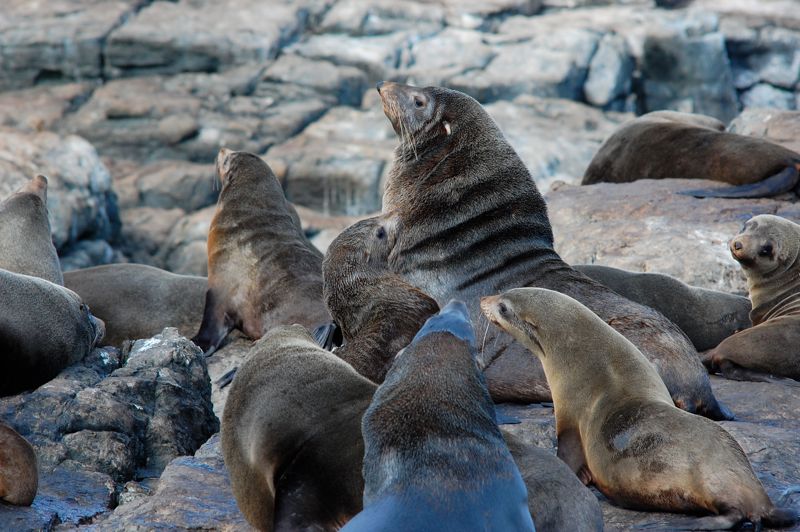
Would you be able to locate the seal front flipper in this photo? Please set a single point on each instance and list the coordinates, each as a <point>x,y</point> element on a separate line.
<point>570,451</point>
<point>215,326</point>
<point>712,522</point>
<point>328,336</point>
<point>783,181</point>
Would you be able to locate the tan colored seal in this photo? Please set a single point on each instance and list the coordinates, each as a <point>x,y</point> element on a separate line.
<point>138,301</point>
<point>262,270</point>
<point>25,243</point>
<point>19,471</point>
<point>768,249</point>
<point>617,426</point>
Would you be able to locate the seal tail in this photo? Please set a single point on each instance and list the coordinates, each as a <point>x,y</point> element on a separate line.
<point>783,181</point>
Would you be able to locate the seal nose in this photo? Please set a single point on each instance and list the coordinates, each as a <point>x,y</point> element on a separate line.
<point>380,85</point>
<point>737,249</point>
<point>737,245</point>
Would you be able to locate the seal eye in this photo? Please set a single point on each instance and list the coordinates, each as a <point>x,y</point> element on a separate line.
<point>765,251</point>
<point>418,102</point>
<point>381,234</point>
<point>502,308</point>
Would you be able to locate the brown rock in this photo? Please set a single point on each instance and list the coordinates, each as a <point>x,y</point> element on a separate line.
<point>781,127</point>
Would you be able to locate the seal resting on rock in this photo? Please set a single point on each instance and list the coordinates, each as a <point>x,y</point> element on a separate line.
<point>472,223</point>
<point>616,425</point>
<point>19,472</point>
<point>434,456</point>
<point>706,316</point>
<point>25,243</point>
<point>262,270</point>
<point>768,249</point>
<point>668,144</point>
<point>137,301</point>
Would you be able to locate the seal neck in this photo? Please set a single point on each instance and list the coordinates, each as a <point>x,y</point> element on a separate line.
<point>776,295</point>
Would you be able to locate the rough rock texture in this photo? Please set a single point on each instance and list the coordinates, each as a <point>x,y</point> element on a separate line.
<point>229,357</point>
<point>782,127</point>
<point>185,249</point>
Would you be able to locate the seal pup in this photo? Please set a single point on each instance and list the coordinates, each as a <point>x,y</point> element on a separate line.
<point>706,316</point>
<point>472,223</point>
<point>377,310</point>
<point>616,425</point>
<point>19,471</point>
<point>667,144</point>
<point>44,328</point>
<point>768,249</point>
<point>137,301</point>
<point>262,270</point>
<point>26,245</point>
<point>434,456</point>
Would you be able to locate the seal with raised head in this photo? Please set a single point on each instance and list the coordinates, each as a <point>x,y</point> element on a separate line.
<point>26,245</point>
<point>19,471</point>
<point>138,301</point>
<point>472,223</point>
<point>706,316</point>
<point>768,249</point>
<point>434,456</point>
<point>616,425</point>
<point>262,270</point>
<point>373,306</point>
<point>44,328</point>
<point>667,144</point>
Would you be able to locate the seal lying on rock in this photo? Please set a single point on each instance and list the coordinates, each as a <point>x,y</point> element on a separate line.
<point>667,144</point>
<point>434,456</point>
<point>616,425</point>
<point>768,248</point>
<point>19,472</point>
<point>472,223</point>
<point>706,316</point>
<point>137,301</point>
<point>262,270</point>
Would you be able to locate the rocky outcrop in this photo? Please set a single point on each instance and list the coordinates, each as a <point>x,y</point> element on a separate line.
<point>782,127</point>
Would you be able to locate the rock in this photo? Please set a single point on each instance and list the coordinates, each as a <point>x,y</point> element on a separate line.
<point>782,127</point>
<point>646,226</point>
<point>145,232</point>
<point>185,249</point>
<point>610,71</point>
<point>87,253</point>
<point>346,84</point>
<point>434,60</point>
<point>173,184</point>
<point>80,199</point>
<point>40,108</point>
<point>379,17</point>
<point>763,95</point>
<point>227,358</point>
<point>475,14</point>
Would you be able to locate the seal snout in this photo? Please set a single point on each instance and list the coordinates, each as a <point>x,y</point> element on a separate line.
<point>223,162</point>
<point>490,306</point>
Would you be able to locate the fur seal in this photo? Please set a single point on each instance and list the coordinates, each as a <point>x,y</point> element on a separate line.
<point>667,144</point>
<point>372,305</point>
<point>26,245</point>
<point>262,270</point>
<point>44,328</point>
<point>19,470</point>
<point>472,223</point>
<point>768,249</point>
<point>616,425</point>
<point>434,456</point>
<point>291,436</point>
<point>137,301</point>
<point>706,316</point>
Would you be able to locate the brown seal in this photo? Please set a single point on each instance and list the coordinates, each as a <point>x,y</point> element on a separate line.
<point>374,307</point>
<point>706,316</point>
<point>472,223</point>
<point>138,301</point>
<point>19,471</point>
<point>26,245</point>
<point>262,270</point>
<point>768,249</point>
<point>616,425</point>
<point>666,144</point>
<point>44,328</point>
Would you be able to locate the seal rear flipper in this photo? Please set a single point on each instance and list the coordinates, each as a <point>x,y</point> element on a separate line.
<point>570,451</point>
<point>504,419</point>
<point>227,378</point>
<point>712,522</point>
<point>783,181</point>
<point>215,326</point>
<point>735,372</point>
<point>328,336</point>
<point>782,518</point>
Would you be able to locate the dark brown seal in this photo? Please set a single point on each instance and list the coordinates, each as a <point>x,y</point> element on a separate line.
<point>472,223</point>
<point>768,249</point>
<point>377,310</point>
<point>25,243</point>
<point>616,425</point>
<point>262,270</point>
<point>667,144</point>
<point>44,328</point>
<point>19,472</point>
<point>138,301</point>
<point>706,316</point>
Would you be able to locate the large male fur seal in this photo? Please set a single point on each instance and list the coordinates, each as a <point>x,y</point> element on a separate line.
<point>25,243</point>
<point>378,311</point>
<point>472,223</point>
<point>138,301</point>
<point>19,472</point>
<point>44,328</point>
<point>434,456</point>
<point>768,249</point>
<point>262,270</point>
<point>617,426</point>
<point>706,316</point>
<point>667,144</point>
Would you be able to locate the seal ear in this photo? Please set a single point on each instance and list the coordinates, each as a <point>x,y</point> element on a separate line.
<point>447,129</point>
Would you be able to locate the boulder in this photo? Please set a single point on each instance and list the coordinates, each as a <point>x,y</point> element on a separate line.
<point>765,95</point>
<point>345,83</point>
<point>185,250</point>
<point>436,59</point>
<point>230,356</point>
<point>171,184</point>
<point>87,253</point>
<point>41,108</point>
<point>378,17</point>
<point>145,232</point>
<point>781,127</point>
<point>610,71</point>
